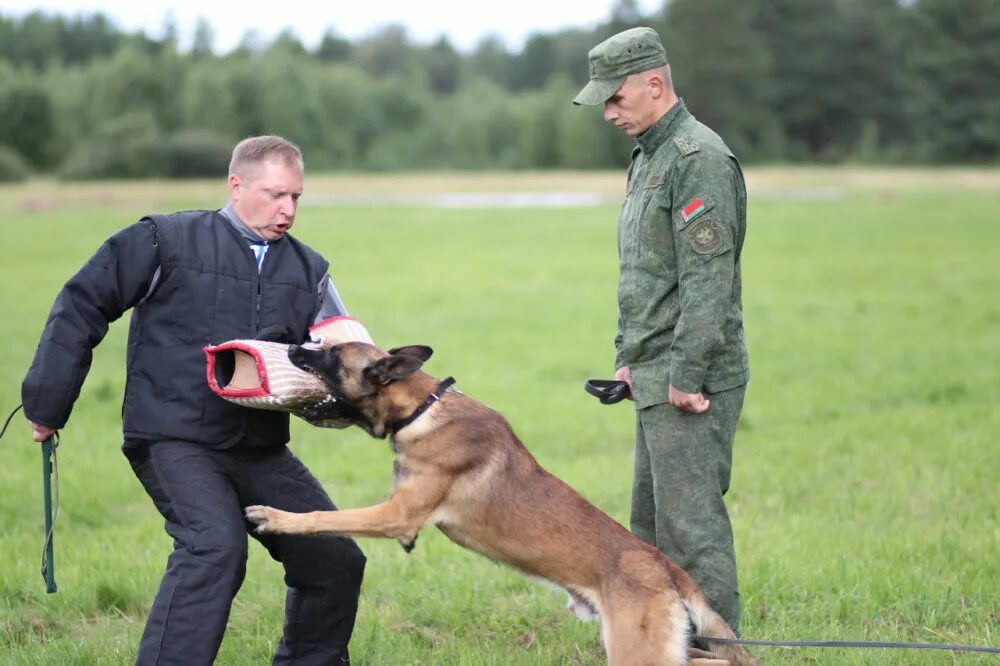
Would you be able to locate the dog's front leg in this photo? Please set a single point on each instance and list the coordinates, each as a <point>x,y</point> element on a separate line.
<point>381,520</point>
<point>400,517</point>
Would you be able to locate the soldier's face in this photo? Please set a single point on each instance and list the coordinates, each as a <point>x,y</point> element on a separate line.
<point>266,197</point>
<point>631,108</point>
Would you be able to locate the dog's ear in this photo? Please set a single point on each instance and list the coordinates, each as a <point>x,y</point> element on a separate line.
<point>392,368</point>
<point>423,352</point>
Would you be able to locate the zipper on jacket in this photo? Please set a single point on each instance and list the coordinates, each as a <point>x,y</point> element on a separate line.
<point>255,315</point>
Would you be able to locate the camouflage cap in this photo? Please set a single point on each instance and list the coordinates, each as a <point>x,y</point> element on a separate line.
<point>611,61</point>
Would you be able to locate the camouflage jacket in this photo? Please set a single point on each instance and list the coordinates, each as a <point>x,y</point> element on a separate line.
<point>680,234</point>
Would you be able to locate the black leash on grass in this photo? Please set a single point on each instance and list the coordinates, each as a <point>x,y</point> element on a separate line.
<point>853,644</point>
<point>50,472</point>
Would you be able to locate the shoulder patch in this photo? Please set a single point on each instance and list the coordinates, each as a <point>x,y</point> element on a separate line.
<point>686,145</point>
<point>705,236</point>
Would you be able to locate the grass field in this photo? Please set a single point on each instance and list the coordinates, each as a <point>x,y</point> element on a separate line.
<point>866,489</point>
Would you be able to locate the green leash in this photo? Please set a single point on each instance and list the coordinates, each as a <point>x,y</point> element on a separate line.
<point>50,469</point>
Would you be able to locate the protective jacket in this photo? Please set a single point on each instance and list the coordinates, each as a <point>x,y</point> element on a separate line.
<point>191,281</point>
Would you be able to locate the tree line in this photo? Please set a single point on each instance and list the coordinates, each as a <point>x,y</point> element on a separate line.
<point>885,81</point>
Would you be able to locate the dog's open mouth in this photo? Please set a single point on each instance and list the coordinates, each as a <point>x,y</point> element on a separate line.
<point>298,356</point>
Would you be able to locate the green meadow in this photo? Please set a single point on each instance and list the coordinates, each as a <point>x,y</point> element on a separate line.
<point>866,487</point>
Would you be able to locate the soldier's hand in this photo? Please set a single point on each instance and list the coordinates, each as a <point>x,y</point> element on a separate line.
<point>41,432</point>
<point>689,402</point>
<point>624,375</point>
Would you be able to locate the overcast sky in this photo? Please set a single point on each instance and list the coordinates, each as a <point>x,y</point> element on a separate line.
<point>464,22</point>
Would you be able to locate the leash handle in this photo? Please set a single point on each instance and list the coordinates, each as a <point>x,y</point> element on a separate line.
<point>608,391</point>
<point>48,562</point>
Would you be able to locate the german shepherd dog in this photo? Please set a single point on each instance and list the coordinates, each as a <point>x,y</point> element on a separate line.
<point>459,466</point>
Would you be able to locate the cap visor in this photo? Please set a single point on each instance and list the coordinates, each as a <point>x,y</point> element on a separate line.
<point>597,91</point>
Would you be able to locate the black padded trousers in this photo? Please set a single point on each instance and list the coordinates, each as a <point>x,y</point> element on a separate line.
<point>201,493</point>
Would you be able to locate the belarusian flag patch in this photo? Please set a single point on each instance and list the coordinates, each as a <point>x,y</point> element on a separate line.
<point>693,209</point>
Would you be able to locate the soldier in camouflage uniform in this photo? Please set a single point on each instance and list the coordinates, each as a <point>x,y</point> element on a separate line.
<point>680,339</point>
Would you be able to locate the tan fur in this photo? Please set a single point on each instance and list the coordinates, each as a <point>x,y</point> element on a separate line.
<point>460,467</point>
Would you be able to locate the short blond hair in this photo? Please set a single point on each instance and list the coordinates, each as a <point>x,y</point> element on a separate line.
<point>663,72</point>
<point>257,149</point>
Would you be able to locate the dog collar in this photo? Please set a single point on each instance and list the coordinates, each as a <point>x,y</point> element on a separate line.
<point>445,384</point>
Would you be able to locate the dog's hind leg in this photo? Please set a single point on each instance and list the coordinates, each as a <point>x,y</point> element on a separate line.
<point>646,632</point>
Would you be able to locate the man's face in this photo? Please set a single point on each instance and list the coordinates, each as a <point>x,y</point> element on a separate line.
<point>631,108</point>
<point>266,197</point>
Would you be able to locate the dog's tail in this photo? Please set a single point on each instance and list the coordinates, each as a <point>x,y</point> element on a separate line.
<point>710,624</point>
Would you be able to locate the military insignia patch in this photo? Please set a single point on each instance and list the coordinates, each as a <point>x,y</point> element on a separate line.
<point>705,236</point>
<point>686,145</point>
<point>693,210</point>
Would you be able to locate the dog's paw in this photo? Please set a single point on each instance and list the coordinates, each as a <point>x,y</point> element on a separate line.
<point>268,520</point>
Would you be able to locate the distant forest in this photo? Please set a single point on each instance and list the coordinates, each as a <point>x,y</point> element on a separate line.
<point>783,81</point>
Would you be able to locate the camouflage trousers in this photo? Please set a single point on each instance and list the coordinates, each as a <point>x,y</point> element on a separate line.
<point>682,469</point>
